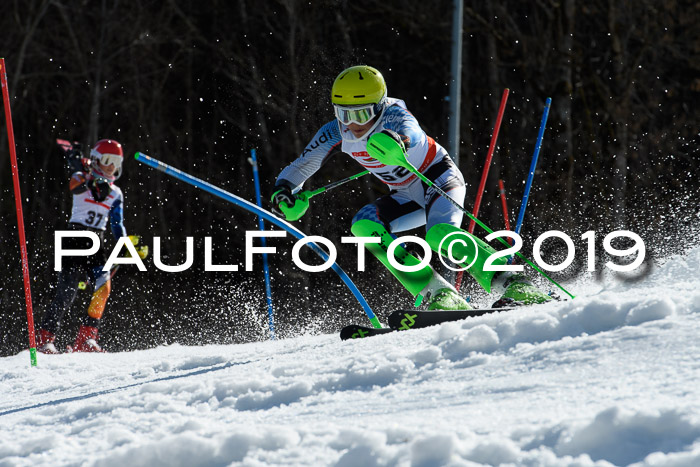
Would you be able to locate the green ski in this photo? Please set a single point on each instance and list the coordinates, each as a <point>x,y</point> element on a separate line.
<point>402,320</point>
<point>355,331</point>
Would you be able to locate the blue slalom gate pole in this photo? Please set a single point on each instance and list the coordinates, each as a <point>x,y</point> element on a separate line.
<point>261,223</point>
<point>267,215</point>
<point>533,164</point>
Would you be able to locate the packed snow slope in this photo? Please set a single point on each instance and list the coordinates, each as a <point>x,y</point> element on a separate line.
<point>608,378</point>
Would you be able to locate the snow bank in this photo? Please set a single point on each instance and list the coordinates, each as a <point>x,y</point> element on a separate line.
<point>670,290</point>
<point>623,438</point>
<point>194,446</point>
<point>609,378</point>
<point>551,322</point>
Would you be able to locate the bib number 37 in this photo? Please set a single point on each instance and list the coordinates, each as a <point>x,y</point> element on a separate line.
<point>94,218</point>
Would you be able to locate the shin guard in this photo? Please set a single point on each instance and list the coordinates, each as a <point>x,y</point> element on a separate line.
<point>477,251</point>
<point>99,300</point>
<point>414,281</point>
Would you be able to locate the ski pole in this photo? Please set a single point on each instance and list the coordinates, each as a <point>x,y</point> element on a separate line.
<point>20,216</point>
<point>261,224</point>
<point>485,173</point>
<point>385,149</point>
<point>310,194</point>
<point>306,195</point>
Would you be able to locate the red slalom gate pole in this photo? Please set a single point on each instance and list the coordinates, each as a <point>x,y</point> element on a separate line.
<point>489,156</point>
<point>502,191</point>
<point>485,172</point>
<point>504,204</point>
<point>20,217</point>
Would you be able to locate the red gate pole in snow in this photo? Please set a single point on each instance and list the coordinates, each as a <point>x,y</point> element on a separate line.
<point>20,218</point>
<point>484,174</point>
<point>504,204</point>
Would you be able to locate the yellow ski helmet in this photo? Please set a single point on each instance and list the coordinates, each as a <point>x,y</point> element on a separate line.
<point>359,85</point>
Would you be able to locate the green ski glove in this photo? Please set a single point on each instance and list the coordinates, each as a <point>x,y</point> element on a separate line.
<point>292,207</point>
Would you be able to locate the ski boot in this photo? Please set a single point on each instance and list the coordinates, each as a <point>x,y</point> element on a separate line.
<point>46,342</point>
<point>447,299</point>
<point>86,340</point>
<point>440,295</point>
<point>517,291</point>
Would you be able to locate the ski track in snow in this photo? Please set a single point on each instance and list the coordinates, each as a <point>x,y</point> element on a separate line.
<point>609,378</point>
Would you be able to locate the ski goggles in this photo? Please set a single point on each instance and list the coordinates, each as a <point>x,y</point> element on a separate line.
<point>359,114</point>
<point>111,159</point>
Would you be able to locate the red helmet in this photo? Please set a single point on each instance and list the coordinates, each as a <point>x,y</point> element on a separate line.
<point>108,151</point>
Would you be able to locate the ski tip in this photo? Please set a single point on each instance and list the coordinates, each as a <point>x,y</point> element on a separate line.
<point>355,331</point>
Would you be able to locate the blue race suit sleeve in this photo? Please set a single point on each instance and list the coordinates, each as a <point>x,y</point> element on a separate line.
<point>404,123</point>
<point>116,219</point>
<point>324,144</point>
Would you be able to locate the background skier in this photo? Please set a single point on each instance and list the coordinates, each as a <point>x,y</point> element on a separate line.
<point>96,202</point>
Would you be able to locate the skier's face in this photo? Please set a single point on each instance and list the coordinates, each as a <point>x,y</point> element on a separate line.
<point>359,130</point>
<point>107,169</point>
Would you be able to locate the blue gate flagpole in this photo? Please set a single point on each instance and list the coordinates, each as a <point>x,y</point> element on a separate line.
<point>533,164</point>
<point>531,175</point>
<point>261,223</point>
<point>267,215</point>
